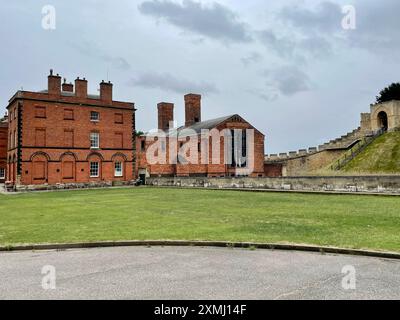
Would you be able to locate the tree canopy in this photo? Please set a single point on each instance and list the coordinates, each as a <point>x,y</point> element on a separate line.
<point>391,92</point>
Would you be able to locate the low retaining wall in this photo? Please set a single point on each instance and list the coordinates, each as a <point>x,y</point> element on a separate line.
<point>370,184</point>
<point>62,186</point>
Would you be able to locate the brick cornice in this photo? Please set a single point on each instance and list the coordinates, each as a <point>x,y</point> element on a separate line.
<point>14,99</point>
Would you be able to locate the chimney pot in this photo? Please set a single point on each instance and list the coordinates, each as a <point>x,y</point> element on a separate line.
<point>67,87</point>
<point>54,84</point>
<point>165,115</point>
<point>192,109</point>
<point>106,92</point>
<point>81,88</point>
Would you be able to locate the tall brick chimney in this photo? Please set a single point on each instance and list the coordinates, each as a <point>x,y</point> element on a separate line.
<point>106,91</point>
<point>165,115</point>
<point>81,86</point>
<point>67,87</point>
<point>192,109</point>
<point>54,84</point>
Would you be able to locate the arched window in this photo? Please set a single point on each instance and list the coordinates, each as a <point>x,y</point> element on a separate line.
<point>95,165</point>
<point>39,167</point>
<point>119,160</point>
<point>68,167</point>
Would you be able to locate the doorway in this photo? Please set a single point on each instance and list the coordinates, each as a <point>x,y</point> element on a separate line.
<point>383,120</point>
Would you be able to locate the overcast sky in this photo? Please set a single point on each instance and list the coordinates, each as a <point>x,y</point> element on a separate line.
<point>288,67</point>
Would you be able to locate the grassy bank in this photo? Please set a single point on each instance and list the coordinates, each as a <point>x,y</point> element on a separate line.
<point>381,157</point>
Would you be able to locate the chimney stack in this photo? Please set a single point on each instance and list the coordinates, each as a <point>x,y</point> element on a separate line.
<point>54,84</point>
<point>67,87</point>
<point>81,86</point>
<point>165,115</point>
<point>106,91</point>
<point>192,109</point>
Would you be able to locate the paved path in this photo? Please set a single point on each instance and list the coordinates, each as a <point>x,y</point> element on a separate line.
<point>194,273</point>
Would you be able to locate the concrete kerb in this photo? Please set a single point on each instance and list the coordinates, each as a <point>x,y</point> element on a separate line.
<point>220,244</point>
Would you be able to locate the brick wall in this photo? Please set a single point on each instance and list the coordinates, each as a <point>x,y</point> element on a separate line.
<point>199,169</point>
<point>273,169</point>
<point>3,148</point>
<point>54,137</point>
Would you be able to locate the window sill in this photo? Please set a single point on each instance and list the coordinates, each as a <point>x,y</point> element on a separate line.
<point>94,120</point>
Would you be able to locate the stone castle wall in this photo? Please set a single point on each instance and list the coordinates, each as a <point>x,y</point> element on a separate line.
<point>362,184</point>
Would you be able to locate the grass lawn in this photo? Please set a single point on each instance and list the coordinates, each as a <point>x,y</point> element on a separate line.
<point>154,214</point>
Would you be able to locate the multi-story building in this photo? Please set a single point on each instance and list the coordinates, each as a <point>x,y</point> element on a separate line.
<point>63,135</point>
<point>3,148</point>
<point>200,148</point>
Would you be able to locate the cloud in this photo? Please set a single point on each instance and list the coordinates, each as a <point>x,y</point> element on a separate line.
<point>166,81</point>
<point>287,80</point>
<point>214,21</point>
<point>253,57</point>
<point>377,27</point>
<point>324,17</point>
<point>270,96</point>
<point>376,30</point>
<point>283,46</point>
<point>92,50</point>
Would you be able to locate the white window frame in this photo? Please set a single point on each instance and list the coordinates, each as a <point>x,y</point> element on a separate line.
<point>94,119</point>
<point>94,140</point>
<point>2,173</point>
<point>98,169</point>
<point>119,173</point>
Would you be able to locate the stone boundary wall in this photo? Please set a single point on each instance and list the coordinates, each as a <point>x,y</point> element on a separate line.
<point>367,184</point>
<point>71,186</point>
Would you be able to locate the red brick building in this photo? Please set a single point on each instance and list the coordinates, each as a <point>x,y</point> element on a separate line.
<point>63,135</point>
<point>3,148</point>
<point>180,138</point>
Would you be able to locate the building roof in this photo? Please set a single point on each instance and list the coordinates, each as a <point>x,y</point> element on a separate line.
<point>203,125</point>
<point>70,98</point>
<point>199,126</point>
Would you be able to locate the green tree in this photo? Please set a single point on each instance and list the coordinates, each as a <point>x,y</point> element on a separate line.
<point>391,92</point>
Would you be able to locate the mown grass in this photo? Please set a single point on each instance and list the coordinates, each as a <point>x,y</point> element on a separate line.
<point>154,214</point>
<point>381,157</point>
